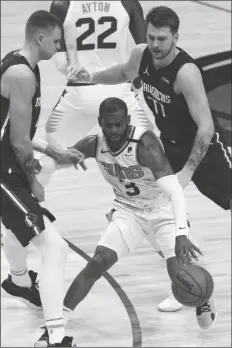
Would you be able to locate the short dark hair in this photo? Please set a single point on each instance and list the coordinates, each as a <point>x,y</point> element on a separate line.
<point>111,105</point>
<point>41,20</point>
<point>163,16</point>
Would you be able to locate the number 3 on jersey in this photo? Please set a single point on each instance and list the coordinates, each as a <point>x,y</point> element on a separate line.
<point>112,23</point>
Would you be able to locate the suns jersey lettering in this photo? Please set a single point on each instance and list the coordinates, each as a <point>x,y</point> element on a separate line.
<point>102,32</point>
<point>132,183</point>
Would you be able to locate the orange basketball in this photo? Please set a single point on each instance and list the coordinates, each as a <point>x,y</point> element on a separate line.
<point>192,286</point>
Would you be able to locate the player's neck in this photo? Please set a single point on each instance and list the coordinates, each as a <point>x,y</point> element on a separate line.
<point>30,54</point>
<point>162,63</point>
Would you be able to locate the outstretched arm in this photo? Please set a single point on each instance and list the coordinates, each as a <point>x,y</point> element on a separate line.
<point>116,74</point>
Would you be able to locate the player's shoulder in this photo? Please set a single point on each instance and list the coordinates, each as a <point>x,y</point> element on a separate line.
<point>148,138</point>
<point>188,73</point>
<point>19,79</point>
<point>138,50</point>
<point>20,72</point>
<point>137,54</point>
<point>132,6</point>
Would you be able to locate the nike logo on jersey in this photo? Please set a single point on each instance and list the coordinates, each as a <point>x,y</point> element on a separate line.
<point>146,71</point>
<point>104,151</point>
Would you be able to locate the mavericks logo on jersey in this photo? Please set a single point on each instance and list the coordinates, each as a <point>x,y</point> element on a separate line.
<point>132,172</point>
<point>156,93</point>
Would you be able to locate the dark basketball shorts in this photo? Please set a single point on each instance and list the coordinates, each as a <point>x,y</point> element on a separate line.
<point>213,176</point>
<point>20,210</point>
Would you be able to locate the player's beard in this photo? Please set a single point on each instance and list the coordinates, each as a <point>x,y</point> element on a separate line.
<point>116,145</point>
<point>164,55</point>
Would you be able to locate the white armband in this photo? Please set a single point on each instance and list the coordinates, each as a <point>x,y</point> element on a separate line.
<point>173,189</point>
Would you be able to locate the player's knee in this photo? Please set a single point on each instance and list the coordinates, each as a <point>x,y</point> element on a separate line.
<point>96,266</point>
<point>103,259</point>
<point>50,244</point>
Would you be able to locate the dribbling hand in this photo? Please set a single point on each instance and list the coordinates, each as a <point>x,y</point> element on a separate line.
<point>185,250</point>
<point>81,75</point>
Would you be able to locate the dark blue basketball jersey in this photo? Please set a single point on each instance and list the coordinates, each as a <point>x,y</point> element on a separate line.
<point>170,110</point>
<point>8,158</point>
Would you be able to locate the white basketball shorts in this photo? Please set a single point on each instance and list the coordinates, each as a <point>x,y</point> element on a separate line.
<point>130,226</point>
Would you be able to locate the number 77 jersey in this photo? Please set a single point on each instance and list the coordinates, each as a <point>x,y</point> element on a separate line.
<point>133,184</point>
<point>102,33</point>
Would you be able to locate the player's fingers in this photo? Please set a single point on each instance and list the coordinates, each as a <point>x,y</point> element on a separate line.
<point>193,254</point>
<point>197,249</point>
<point>83,165</point>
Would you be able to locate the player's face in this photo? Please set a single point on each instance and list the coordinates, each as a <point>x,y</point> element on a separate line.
<point>50,42</point>
<point>115,126</point>
<point>160,41</point>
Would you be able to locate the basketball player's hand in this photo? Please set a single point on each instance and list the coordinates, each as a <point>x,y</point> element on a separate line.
<point>136,83</point>
<point>72,156</point>
<point>38,190</point>
<point>82,75</point>
<point>72,71</point>
<point>184,176</point>
<point>33,166</point>
<point>185,250</point>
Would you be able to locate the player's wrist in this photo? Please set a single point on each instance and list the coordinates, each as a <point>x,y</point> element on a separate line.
<point>182,231</point>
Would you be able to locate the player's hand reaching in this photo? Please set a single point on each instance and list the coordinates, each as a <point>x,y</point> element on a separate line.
<point>72,156</point>
<point>82,76</point>
<point>185,250</point>
<point>33,166</point>
<point>72,70</point>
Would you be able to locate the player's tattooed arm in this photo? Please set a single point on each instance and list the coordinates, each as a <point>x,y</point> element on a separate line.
<point>87,145</point>
<point>190,84</point>
<point>199,149</point>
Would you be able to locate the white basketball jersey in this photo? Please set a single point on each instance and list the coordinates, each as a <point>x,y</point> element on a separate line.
<point>133,184</point>
<point>102,31</point>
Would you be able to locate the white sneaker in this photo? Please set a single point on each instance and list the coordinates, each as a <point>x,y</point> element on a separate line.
<point>206,314</point>
<point>170,304</point>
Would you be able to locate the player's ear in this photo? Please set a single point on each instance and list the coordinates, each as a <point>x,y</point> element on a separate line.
<point>176,37</point>
<point>128,119</point>
<point>99,121</point>
<point>39,39</point>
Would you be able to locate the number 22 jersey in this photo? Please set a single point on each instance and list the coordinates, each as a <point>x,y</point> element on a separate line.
<point>133,184</point>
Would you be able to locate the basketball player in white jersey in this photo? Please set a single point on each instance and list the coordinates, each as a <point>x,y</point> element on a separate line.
<point>97,35</point>
<point>149,201</point>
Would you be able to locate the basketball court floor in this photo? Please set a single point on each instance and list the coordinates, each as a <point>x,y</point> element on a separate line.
<point>121,310</point>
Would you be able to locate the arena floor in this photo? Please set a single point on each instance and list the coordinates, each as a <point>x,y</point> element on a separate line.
<point>121,310</point>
